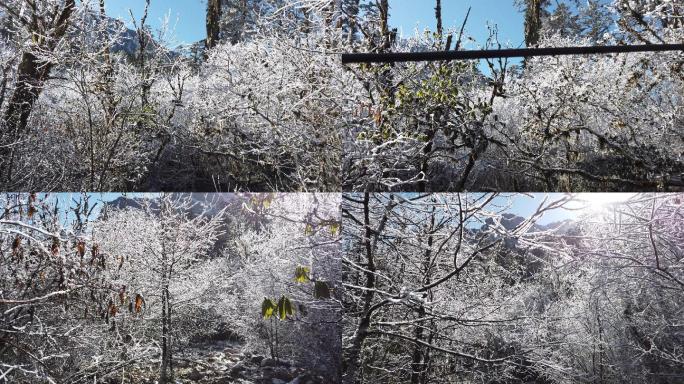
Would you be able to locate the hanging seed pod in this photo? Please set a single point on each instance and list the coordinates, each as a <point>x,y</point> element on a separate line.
<point>94,252</point>
<point>80,248</point>
<point>55,246</point>
<point>139,302</point>
<point>111,308</point>
<point>122,294</point>
<point>16,244</point>
<point>31,210</point>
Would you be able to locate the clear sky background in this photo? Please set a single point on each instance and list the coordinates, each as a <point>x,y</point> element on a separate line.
<point>96,200</point>
<point>523,205</point>
<point>187,17</point>
<point>409,15</point>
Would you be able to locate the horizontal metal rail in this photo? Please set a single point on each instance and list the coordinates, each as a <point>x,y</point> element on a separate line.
<point>392,57</point>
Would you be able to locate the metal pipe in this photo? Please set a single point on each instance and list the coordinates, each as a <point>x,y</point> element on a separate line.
<point>392,57</point>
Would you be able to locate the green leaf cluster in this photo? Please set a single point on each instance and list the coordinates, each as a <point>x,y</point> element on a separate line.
<point>282,309</point>
<point>439,89</point>
<point>302,274</point>
<point>285,308</point>
<point>267,308</point>
<point>309,229</point>
<point>334,228</point>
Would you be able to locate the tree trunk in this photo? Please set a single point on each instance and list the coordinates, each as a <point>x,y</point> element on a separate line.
<point>30,80</point>
<point>354,353</point>
<point>244,13</point>
<point>532,22</point>
<point>438,16</point>
<point>385,79</point>
<point>32,72</point>
<point>271,340</point>
<point>419,358</point>
<point>427,153</point>
<point>427,362</point>
<point>145,73</point>
<point>213,23</point>
<point>601,353</point>
<point>385,36</point>
<point>31,76</point>
<point>166,374</point>
<point>170,336</point>
<point>353,369</point>
<point>163,377</point>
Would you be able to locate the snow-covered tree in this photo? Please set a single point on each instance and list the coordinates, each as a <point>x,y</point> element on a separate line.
<point>166,240</point>
<point>295,255</point>
<point>574,123</point>
<point>141,287</point>
<point>454,288</point>
<point>117,109</point>
<point>54,288</point>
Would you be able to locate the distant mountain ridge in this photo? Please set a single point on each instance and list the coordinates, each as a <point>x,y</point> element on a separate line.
<point>213,202</point>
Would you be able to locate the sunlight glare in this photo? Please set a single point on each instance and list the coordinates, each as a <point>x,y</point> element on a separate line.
<point>600,202</point>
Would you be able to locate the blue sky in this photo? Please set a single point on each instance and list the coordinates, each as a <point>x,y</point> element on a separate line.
<point>407,15</point>
<point>522,204</point>
<point>187,16</point>
<point>97,199</point>
<point>585,206</point>
<point>526,205</point>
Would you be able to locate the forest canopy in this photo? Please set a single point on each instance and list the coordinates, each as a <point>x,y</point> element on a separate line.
<point>573,123</point>
<point>264,104</point>
<point>403,288</point>
<point>160,288</point>
<point>470,288</point>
